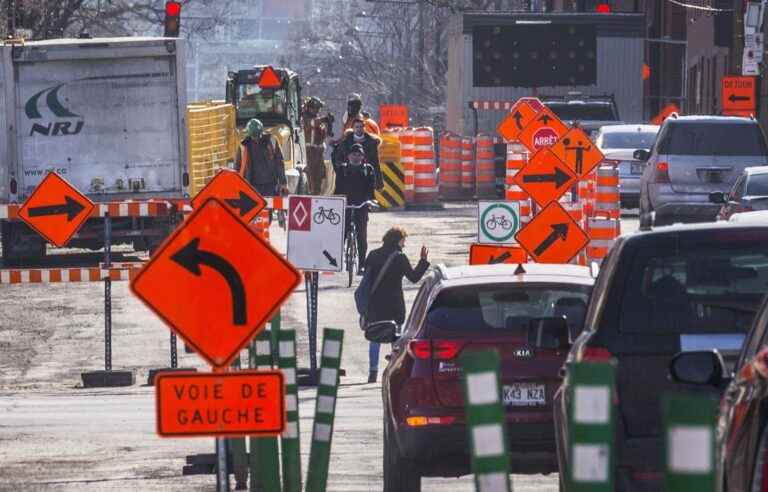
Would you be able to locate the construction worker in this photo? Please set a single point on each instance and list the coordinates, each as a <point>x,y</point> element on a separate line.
<point>355,111</point>
<point>316,129</point>
<point>370,144</point>
<point>260,161</point>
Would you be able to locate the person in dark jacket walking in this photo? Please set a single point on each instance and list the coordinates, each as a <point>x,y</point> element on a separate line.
<point>260,161</point>
<point>388,302</point>
<point>355,180</point>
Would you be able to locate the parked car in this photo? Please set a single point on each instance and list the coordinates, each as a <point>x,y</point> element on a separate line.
<point>465,309</point>
<point>590,111</point>
<point>749,193</point>
<point>618,144</point>
<point>741,438</point>
<point>692,157</point>
<point>742,217</point>
<point>678,288</point>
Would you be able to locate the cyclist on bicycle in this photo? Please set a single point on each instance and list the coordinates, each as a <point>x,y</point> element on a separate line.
<point>356,179</point>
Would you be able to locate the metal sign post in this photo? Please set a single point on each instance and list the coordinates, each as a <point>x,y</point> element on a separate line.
<point>222,473</point>
<point>311,282</point>
<point>689,423</point>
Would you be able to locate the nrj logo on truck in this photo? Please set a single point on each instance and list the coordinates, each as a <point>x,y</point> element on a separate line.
<point>57,127</point>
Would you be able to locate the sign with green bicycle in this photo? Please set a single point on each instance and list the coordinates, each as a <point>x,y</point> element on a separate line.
<point>497,221</point>
<point>316,232</point>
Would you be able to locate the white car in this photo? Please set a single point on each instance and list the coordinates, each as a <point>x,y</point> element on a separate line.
<point>759,216</point>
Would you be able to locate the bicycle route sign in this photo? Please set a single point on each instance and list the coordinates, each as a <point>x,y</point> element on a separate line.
<point>316,232</point>
<point>497,222</point>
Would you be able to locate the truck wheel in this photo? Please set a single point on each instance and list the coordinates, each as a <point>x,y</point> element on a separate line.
<point>399,474</point>
<point>21,244</point>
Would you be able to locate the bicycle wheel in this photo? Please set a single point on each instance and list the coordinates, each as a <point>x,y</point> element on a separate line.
<point>491,223</point>
<point>333,217</point>
<point>319,217</point>
<point>506,224</point>
<point>350,256</point>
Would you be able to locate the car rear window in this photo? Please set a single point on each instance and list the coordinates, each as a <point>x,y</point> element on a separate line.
<point>711,285</point>
<point>729,139</point>
<point>504,307</point>
<point>583,112</point>
<point>628,140</point>
<point>757,184</point>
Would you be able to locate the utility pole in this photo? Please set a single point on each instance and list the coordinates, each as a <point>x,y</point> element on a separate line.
<point>422,47</point>
<point>11,18</point>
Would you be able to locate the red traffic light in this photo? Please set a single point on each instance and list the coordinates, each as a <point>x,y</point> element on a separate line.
<point>270,79</point>
<point>603,8</point>
<point>172,9</point>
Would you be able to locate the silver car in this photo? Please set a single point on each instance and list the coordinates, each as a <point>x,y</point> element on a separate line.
<point>618,144</point>
<point>692,157</point>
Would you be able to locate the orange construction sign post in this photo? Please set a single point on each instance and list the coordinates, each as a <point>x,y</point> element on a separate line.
<point>737,96</point>
<point>215,282</point>
<point>552,236</point>
<point>235,192</point>
<point>393,115</point>
<point>545,178</point>
<point>241,403</point>
<point>665,112</point>
<point>56,209</point>
<point>489,254</point>
<point>543,131</point>
<point>520,115</point>
<point>578,152</point>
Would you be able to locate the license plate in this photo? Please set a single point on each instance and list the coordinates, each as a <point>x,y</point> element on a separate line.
<point>524,395</point>
<point>637,168</point>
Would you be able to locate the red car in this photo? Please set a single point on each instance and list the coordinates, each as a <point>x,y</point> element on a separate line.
<point>473,308</point>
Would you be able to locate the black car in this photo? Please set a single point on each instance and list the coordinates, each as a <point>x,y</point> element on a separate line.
<point>659,293</point>
<point>742,440</point>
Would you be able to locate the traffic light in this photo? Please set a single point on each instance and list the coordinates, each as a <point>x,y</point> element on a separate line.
<point>172,19</point>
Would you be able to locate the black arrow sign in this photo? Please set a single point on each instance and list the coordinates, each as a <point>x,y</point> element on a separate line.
<point>517,116</point>
<point>559,177</point>
<point>545,118</point>
<point>190,258</point>
<point>71,207</point>
<point>558,231</point>
<point>331,259</point>
<point>734,98</point>
<point>244,203</point>
<point>499,259</point>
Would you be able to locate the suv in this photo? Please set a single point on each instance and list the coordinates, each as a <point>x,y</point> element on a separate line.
<point>694,156</point>
<point>591,112</point>
<point>675,289</point>
<point>466,309</point>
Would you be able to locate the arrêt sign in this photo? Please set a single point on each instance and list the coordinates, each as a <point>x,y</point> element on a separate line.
<point>543,131</point>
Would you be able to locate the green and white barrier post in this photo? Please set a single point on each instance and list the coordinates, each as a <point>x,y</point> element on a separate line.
<point>325,407</point>
<point>486,421</point>
<point>265,456</point>
<point>689,424</point>
<point>591,417</point>
<point>291,449</point>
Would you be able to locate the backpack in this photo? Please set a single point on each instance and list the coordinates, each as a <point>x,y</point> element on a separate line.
<point>368,286</point>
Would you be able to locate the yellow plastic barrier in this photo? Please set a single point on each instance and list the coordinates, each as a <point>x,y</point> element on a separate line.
<point>212,138</point>
<point>393,193</point>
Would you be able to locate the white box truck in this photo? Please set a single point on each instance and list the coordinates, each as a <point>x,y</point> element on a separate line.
<point>106,114</point>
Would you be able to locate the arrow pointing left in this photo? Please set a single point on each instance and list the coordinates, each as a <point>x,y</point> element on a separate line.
<point>71,207</point>
<point>499,259</point>
<point>190,257</point>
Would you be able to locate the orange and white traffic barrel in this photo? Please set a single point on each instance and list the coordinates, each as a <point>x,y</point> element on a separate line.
<point>517,157</point>
<point>261,224</point>
<point>602,235</point>
<point>485,177</point>
<point>467,166</point>
<point>425,176</point>
<point>450,166</point>
<point>607,193</point>
<point>407,159</point>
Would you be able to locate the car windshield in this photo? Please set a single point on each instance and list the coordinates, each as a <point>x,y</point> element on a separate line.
<point>582,112</point>
<point>712,139</point>
<point>628,140</point>
<point>505,308</point>
<point>253,101</point>
<point>711,285</point>
<point>757,185</point>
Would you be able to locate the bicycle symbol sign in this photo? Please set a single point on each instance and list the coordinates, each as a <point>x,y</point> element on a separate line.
<point>316,232</point>
<point>498,222</point>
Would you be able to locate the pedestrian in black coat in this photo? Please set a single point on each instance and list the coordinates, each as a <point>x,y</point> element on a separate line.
<point>387,301</point>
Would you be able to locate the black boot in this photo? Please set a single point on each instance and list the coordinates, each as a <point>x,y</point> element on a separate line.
<point>372,376</point>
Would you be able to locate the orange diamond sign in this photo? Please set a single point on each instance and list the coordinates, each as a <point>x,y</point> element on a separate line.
<point>545,178</point>
<point>578,152</point>
<point>235,192</point>
<point>215,282</point>
<point>543,131</point>
<point>521,114</point>
<point>56,209</point>
<point>552,236</point>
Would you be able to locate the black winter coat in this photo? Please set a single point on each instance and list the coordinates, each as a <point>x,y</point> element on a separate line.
<point>387,302</point>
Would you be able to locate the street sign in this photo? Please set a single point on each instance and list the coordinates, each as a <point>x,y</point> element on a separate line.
<point>489,254</point>
<point>235,192</point>
<point>578,152</point>
<point>316,232</point>
<point>543,131</point>
<point>215,282</point>
<point>521,114</point>
<point>552,236</point>
<point>393,115</point>
<point>737,96</point>
<point>545,178</point>
<point>56,209</point>
<point>238,403</point>
<point>497,221</point>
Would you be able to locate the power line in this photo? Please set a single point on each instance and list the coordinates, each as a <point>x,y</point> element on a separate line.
<point>699,7</point>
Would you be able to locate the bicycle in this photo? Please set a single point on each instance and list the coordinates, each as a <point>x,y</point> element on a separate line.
<point>350,240</point>
<point>502,221</point>
<point>330,215</point>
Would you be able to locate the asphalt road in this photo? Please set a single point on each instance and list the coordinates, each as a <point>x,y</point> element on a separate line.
<point>55,435</point>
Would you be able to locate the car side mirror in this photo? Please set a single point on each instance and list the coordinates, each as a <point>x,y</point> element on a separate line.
<point>699,367</point>
<point>641,155</point>
<point>718,197</point>
<point>381,332</point>
<point>548,333</point>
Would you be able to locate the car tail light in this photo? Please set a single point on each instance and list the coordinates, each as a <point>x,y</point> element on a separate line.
<point>610,162</point>
<point>435,349</point>
<point>645,476</point>
<point>420,349</point>
<point>596,354</point>
<point>662,172</point>
<point>420,421</point>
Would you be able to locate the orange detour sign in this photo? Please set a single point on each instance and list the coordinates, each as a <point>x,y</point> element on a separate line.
<point>215,282</point>
<point>489,254</point>
<point>552,236</point>
<point>56,209</point>
<point>578,152</point>
<point>545,178</point>
<point>737,96</point>
<point>220,404</point>
<point>520,116</point>
<point>235,192</point>
<point>543,131</point>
